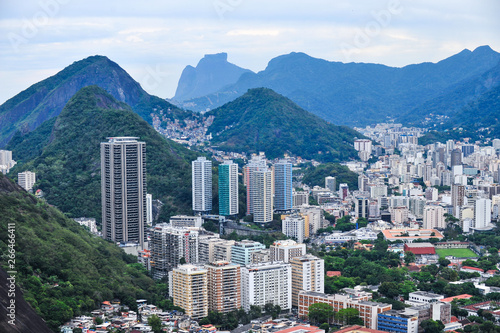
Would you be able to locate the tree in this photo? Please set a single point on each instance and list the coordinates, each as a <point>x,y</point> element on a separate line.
<point>182,261</point>
<point>325,327</point>
<point>389,289</point>
<point>349,316</point>
<point>155,322</point>
<point>98,320</point>
<point>320,313</point>
<point>443,262</point>
<point>409,257</point>
<point>432,326</point>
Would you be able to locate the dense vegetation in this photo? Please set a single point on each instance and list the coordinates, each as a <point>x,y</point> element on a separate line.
<point>316,175</point>
<point>63,270</point>
<point>68,168</point>
<point>262,120</point>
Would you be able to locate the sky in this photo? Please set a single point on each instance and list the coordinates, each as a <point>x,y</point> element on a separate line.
<point>153,40</point>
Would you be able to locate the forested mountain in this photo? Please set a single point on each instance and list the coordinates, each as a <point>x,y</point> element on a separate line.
<point>46,99</point>
<point>212,73</point>
<point>262,120</point>
<point>65,154</point>
<point>63,270</point>
<point>360,93</point>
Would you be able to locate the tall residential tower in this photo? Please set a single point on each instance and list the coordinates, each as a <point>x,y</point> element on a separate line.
<point>228,188</point>
<point>202,185</point>
<point>123,188</point>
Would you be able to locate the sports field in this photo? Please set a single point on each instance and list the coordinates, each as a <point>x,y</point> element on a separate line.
<point>459,253</point>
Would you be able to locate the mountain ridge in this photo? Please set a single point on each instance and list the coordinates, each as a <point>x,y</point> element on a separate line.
<point>45,99</point>
<point>355,94</point>
<point>263,120</point>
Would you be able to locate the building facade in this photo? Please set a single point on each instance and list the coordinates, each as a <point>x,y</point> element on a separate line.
<point>308,274</point>
<point>123,189</point>
<point>169,245</point>
<point>189,290</point>
<point>26,180</point>
<point>202,185</point>
<point>241,252</point>
<point>285,250</point>
<point>228,188</point>
<point>266,283</point>
<point>283,199</point>
<point>262,196</point>
<point>224,286</point>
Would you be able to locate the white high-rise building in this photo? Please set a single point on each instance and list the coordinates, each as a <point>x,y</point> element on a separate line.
<point>434,217</point>
<point>295,226</point>
<point>257,163</point>
<point>202,185</point>
<point>482,213</point>
<point>266,283</point>
<point>262,196</point>
<point>123,189</point>
<point>6,161</point>
<point>26,180</point>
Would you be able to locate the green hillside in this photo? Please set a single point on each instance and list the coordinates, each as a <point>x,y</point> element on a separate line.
<point>262,120</point>
<point>62,269</point>
<point>315,176</point>
<point>46,99</point>
<point>66,156</point>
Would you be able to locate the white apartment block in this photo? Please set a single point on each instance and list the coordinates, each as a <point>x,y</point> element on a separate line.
<point>266,283</point>
<point>26,180</point>
<point>183,221</point>
<point>295,226</point>
<point>285,250</point>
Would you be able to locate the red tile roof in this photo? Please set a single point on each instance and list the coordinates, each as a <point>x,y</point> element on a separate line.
<point>473,268</point>
<point>333,273</point>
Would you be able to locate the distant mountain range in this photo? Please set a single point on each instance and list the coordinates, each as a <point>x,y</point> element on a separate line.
<point>359,94</point>
<point>65,154</point>
<point>262,120</point>
<point>46,99</point>
<point>212,73</point>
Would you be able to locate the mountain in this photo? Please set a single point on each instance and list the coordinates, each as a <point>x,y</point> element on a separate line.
<point>45,99</point>
<point>262,120</point>
<point>356,93</point>
<point>481,116</point>
<point>62,269</point>
<point>212,73</point>
<point>453,99</point>
<point>65,154</point>
<point>26,319</point>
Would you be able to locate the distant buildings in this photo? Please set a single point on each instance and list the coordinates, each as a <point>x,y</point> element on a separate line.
<point>202,185</point>
<point>123,188</point>
<point>434,217</point>
<point>228,188</point>
<point>256,163</point>
<point>331,183</point>
<point>26,180</point>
